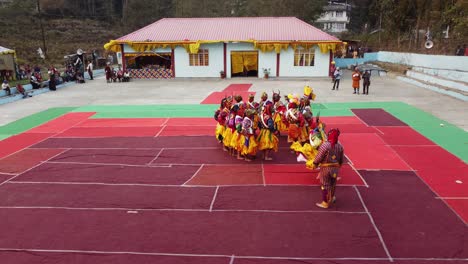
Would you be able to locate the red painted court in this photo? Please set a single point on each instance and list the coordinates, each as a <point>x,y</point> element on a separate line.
<point>161,190</point>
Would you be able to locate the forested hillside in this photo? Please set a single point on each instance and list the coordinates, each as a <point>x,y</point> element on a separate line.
<point>89,24</point>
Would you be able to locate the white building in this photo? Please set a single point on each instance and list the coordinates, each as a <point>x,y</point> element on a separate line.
<point>203,47</point>
<point>335,17</point>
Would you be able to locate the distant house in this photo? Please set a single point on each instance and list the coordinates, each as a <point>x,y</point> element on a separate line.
<point>335,17</point>
<point>4,3</point>
<point>237,46</point>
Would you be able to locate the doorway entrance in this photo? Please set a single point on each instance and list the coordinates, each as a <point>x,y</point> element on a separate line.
<point>244,63</point>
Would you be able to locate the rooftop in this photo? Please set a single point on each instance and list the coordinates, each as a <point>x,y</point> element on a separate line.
<point>229,29</point>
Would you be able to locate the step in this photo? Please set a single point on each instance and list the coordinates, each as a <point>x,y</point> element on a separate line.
<point>461,76</point>
<point>437,80</point>
<point>462,95</point>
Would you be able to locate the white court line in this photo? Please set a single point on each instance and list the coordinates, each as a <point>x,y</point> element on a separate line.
<point>175,148</point>
<point>160,131</point>
<point>430,188</point>
<point>174,185</point>
<point>451,198</point>
<point>155,158</point>
<point>37,165</point>
<point>105,184</point>
<point>362,178</point>
<point>349,160</point>
<point>375,226</point>
<point>165,122</point>
<point>7,173</point>
<point>181,210</point>
<point>263,174</point>
<point>193,176</point>
<point>379,130</point>
<point>110,164</point>
<point>214,256</point>
<point>214,198</point>
<point>232,259</point>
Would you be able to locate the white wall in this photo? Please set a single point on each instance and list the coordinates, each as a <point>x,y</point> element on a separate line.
<point>215,65</point>
<point>320,68</point>
<point>459,63</point>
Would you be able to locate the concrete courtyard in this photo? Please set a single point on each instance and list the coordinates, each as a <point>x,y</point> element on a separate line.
<point>193,91</point>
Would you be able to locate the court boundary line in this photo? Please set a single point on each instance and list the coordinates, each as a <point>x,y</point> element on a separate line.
<point>174,185</point>
<point>359,174</point>
<point>430,187</point>
<point>232,259</point>
<point>193,176</point>
<point>182,210</point>
<point>163,165</point>
<point>451,198</point>
<point>157,156</point>
<point>375,226</point>
<point>98,252</point>
<point>214,197</point>
<point>263,174</point>
<point>35,166</point>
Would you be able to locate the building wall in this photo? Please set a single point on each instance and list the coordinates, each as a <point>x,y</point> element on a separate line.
<point>266,60</point>
<point>215,65</point>
<point>320,68</point>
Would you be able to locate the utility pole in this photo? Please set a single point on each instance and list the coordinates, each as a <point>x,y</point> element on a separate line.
<point>44,47</point>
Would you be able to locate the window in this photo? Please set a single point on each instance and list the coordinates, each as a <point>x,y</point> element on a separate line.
<point>199,59</point>
<point>304,57</point>
<point>339,13</point>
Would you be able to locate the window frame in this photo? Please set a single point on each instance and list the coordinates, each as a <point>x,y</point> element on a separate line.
<point>200,59</point>
<point>301,56</point>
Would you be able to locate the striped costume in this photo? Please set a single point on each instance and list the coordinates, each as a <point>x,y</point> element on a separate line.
<point>330,158</point>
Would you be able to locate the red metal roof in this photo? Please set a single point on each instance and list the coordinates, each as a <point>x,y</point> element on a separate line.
<point>229,29</point>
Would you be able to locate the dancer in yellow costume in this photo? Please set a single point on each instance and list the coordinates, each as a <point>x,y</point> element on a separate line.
<point>279,111</point>
<point>267,140</point>
<point>220,116</point>
<point>249,143</point>
<point>308,151</point>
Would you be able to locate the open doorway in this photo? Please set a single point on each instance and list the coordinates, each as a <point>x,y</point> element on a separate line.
<point>244,64</point>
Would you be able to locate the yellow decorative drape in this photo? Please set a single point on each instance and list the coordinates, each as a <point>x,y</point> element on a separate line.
<point>244,60</point>
<point>193,47</point>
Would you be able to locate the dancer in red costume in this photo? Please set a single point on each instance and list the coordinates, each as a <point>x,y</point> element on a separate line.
<point>329,158</point>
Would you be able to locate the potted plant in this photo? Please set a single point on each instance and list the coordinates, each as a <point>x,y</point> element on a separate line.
<point>222,74</point>
<point>266,72</point>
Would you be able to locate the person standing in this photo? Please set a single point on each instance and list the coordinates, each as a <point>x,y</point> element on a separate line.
<point>356,80</point>
<point>52,75</point>
<point>89,68</point>
<point>329,159</point>
<point>332,71</point>
<point>108,71</point>
<point>459,51</point>
<point>337,77</point>
<point>366,82</point>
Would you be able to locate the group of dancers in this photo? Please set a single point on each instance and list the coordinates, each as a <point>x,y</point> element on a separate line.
<point>245,128</point>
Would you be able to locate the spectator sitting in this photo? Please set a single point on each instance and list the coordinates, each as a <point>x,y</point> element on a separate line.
<point>119,74</point>
<point>126,76</point>
<point>21,90</point>
<point>6,87</point>
<point>34,82</point>
<point>114,75</point>
<point>79,77</point>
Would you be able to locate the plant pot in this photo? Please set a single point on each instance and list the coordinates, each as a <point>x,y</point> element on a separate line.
<point>266,76</point>
<point>223,76</point>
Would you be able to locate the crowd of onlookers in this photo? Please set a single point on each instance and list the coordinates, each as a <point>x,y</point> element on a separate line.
<point>113,75</point>
<point>461,50</point>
